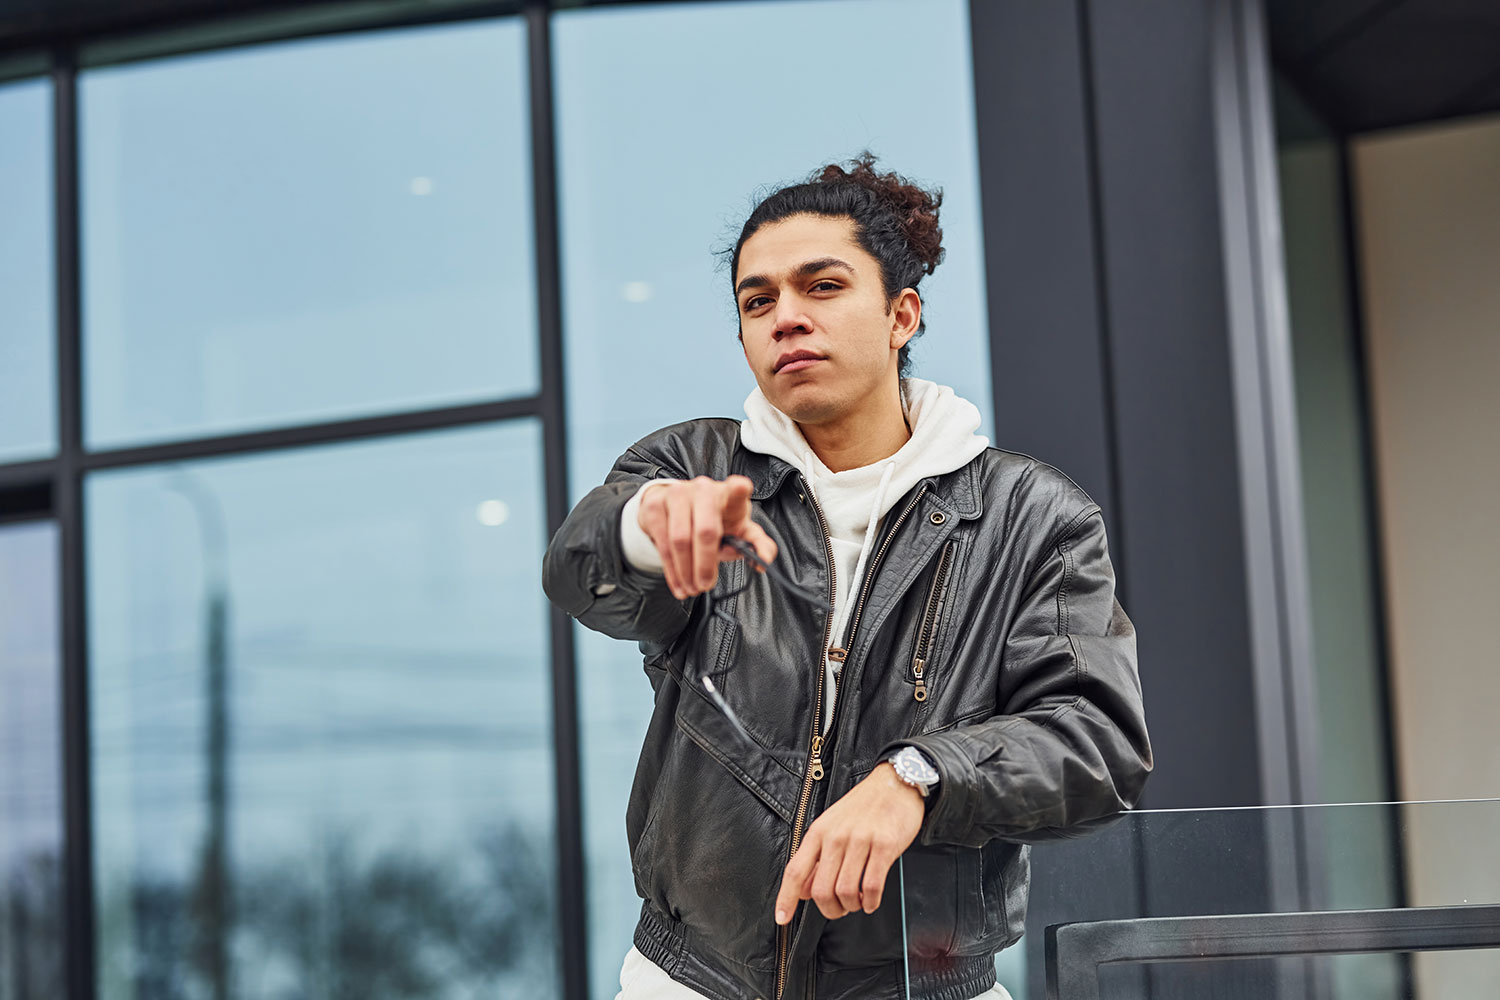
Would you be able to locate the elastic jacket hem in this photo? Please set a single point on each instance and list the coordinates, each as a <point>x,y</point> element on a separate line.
<point>665,942</point>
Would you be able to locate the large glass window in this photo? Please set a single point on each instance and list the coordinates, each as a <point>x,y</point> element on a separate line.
<point>669,119</point>
<point>31,812</point>
<point>27,295</point>
<point>320,722</point>
<point>314,230</point>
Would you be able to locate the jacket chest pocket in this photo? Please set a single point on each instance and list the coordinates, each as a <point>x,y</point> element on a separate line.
<point>919,673</point>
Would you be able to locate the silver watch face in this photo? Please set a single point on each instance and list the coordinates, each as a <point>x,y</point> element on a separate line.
<point>913,768</point>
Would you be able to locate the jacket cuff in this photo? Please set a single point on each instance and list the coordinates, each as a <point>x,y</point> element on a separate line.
<point>640,552</point>
<point>946,805</point>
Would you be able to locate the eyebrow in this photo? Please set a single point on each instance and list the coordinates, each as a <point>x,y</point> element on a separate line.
<point>804,270</point>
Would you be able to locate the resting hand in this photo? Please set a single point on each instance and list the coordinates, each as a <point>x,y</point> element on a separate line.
<point>848,851</point>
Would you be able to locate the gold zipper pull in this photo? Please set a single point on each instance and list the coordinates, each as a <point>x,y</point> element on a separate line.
<point>838,654</point>
<point>815,763</point>
<point>918,665</point>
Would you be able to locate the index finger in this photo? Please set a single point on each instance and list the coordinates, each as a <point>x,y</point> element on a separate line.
<point>794,881</point>
<point>737,519</point>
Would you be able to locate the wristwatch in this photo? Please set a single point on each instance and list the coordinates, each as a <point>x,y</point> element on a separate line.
<point>914,768</point>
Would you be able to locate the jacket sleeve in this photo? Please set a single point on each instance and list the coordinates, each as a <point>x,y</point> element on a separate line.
<point>1069,748</point>
<point>584,571</point>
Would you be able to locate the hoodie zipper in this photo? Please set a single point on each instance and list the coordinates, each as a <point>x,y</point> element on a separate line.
<point>930,616</point>
<point>814,771</point>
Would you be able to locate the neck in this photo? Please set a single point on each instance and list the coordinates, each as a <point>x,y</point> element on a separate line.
<point>861,437</point>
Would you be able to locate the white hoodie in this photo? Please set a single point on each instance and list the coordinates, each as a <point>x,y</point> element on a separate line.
<point>943,438</point>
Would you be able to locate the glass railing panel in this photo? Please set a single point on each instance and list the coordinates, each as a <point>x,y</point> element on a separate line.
<point>1386,857</point>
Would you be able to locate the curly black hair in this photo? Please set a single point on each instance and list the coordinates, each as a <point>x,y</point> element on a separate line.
<point>895,221</point>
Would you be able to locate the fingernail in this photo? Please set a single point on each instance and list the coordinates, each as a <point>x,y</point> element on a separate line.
<point>781,916</point>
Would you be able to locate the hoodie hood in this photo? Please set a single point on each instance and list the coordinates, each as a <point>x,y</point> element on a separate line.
<point>944,437</point>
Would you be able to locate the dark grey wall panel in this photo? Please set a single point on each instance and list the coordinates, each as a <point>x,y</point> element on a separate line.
<point>1050,387</point>
<point>1110,345</point>
<point>1166,313</point>
<point>1111,355</point>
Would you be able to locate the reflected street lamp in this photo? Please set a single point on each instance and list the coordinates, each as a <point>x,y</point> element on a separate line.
<point>211,903</point>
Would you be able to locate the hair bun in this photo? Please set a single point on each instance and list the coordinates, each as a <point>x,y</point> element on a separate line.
<point>915,206</point>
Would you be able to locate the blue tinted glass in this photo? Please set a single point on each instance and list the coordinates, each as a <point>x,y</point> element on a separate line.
<point>322,229</point>
<point>28,399</point>
<point>669,119</point>
<point>320,681</point>
<point>31,811</point>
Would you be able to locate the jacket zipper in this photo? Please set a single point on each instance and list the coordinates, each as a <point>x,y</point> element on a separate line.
<point>930,616</point>
<point>814,772</point>
<point>815,759</point>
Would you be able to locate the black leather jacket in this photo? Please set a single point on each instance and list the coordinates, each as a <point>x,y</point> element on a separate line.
<point>997,578</point>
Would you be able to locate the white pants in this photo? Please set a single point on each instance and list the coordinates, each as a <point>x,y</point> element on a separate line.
<point>643,979</point>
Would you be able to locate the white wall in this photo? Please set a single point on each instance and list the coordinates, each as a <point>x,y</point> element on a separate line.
<point>1428,206</point>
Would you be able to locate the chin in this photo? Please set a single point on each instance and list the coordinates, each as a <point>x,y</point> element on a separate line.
<point>806,404</point>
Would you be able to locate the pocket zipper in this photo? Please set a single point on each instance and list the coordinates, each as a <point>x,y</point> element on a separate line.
<point>930,617</point>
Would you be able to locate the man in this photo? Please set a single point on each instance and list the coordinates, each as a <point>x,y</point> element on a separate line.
<point>965,686</point>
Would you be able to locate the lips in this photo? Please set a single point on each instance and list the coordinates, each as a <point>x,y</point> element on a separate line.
<point>797,360</point>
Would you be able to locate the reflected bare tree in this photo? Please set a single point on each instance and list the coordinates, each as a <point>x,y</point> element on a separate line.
<point>162,944</point>
<point>348,923</point>
<point>31,964</point>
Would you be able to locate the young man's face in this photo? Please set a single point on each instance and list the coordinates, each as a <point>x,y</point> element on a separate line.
<point>815,324</point>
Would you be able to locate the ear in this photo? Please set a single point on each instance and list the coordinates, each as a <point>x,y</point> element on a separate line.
<point>906,316</point>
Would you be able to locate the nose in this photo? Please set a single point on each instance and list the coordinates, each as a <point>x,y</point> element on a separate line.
<point>791,317</point>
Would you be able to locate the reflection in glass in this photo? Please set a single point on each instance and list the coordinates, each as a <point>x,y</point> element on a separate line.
<point>667,124</point>
<point>1277,859</point>
<point>321,229</point>
<point>321,745</point>
<point>1335,977</point>
<point>31,810</point>
<point>28,392</point>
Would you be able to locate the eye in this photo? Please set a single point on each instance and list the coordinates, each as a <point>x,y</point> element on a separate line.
<point>753,303</point>
<point>825,285</point>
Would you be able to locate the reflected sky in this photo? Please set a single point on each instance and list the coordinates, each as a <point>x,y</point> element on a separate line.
<point>30,680</point>
<point>387,646</point>
<point>31,772</point>
<point>319,229</point>
<point>28,395</point>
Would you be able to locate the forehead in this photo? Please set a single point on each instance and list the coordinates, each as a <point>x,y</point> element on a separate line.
<point>778,247</point>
